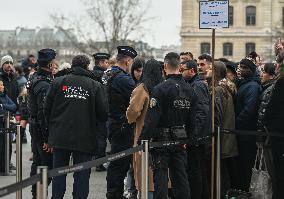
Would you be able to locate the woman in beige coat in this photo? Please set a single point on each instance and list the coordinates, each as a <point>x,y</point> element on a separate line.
<point>139,103</point>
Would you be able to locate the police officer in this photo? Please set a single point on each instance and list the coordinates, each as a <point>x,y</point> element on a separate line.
<point>119,86</point>
<point>38,86</point>
<point>101,65</point>
<point>170,117</point>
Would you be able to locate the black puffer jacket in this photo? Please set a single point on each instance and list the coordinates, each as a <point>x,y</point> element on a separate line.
<point>274,117</point>
<point>273,120</point>
<point>247,101</point>
<point>264,100</point>
<point>73,106</point>
<point>203,119</point>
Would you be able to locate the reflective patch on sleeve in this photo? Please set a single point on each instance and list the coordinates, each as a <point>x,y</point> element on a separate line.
<point>153,102</point>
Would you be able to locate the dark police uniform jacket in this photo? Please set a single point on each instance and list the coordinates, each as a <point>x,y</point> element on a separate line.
<point>98,73</point>
<point>171,105</point>
<point>73,106</point>
<point>37,87</point>
<point>119,88</point>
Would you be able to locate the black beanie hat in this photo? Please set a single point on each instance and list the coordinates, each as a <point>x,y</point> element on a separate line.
<point>46,54</point>
<point>249,63</point>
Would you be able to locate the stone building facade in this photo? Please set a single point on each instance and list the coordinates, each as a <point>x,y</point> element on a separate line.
<point>254,26</point>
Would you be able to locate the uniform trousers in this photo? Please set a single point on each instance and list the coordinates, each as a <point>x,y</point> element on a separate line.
<point>120,138</point>
<point>174,159</point>
<point>40,157</point>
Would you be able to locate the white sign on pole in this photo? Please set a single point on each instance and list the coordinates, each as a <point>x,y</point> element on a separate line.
<point>213,14</point>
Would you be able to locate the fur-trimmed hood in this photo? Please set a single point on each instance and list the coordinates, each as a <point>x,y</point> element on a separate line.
<point>229,85</point>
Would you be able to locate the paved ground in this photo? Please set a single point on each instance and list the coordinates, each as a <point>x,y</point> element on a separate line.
<point>97,180</point>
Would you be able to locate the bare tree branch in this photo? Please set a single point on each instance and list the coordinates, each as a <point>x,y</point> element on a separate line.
<point>112,21</point>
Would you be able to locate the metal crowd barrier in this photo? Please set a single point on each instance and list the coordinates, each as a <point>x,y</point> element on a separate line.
<point>7,145</point>
<point>7,131</point>
<point>41,178</point>
<point>19,166</point>
<point>145,166</point>
<point>218,176</point>
<point>42,185</point>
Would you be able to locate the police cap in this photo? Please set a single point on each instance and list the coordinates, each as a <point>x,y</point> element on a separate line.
<point>99,56</point>
<point>46,54</point>
<point>127,50</point>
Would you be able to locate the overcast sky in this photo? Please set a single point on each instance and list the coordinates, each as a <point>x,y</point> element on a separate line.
<point>32,13</point>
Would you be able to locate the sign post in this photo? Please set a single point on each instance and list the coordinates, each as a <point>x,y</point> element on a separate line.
<point>214,14</point>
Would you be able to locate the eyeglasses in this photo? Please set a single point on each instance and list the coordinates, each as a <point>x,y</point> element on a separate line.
<point>8,62</point>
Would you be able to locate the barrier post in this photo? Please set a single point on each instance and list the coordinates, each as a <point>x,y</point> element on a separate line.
<point>218,166</point>
<point>213,155</point>
<point>7,145</point>
<point>145,166</point>
<point>19,160</point>
<point>42,185</point>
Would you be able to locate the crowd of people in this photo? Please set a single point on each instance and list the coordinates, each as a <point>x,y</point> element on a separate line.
<point>73,109</point>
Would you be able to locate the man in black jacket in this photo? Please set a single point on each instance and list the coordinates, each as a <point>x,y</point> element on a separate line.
<point>9,78</point>
<point>273,119</point>
<point>38,86</point>
<point>101,65</point>
<point>73,106</point>
<point>196,154</point>
<point>246,106</point>
<point>11,86</point>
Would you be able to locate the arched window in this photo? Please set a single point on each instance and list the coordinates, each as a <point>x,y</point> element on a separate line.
<point>227,49</point>
<point>231,15</point>
<point>205,48</point>
<point>250,15</point>
<point>250,47</point>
